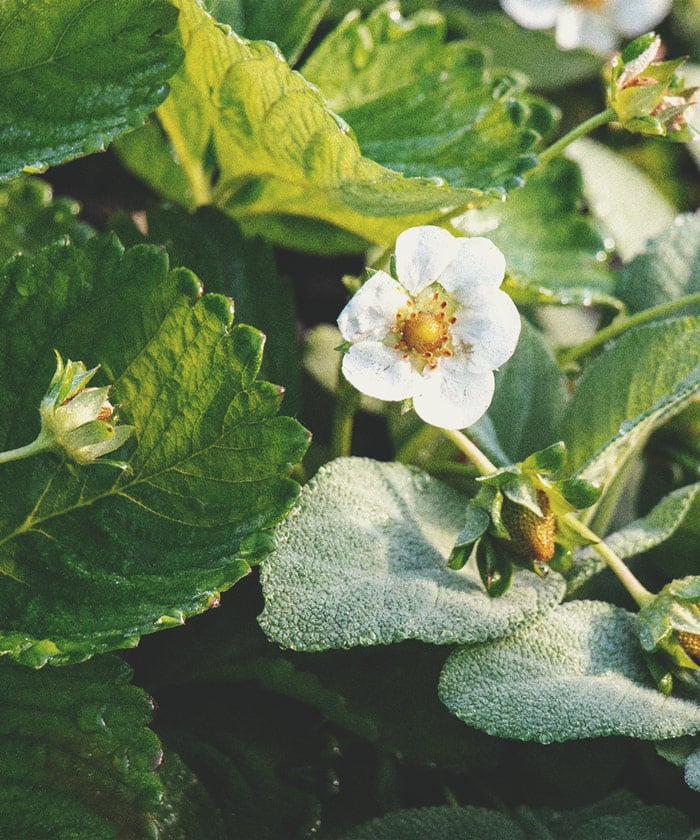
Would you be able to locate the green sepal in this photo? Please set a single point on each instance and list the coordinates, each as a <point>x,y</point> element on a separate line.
<point>636,47</point>
<point>653,626</point>
<point>661,675</point>
<point>579,492</point>
<point>497,528</point>
<point>548,460</point>
<point>476,522</point>
<point>495,570</point>
<point>500,477</point>
<point>562,558</point>
<point>686,589</point>
<point>521,492</point>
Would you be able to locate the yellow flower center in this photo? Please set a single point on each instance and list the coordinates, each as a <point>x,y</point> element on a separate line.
<point>423,328</point>
<point>594,5</point>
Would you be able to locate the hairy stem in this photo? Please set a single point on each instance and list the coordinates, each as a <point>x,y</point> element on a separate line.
<point>596,121</point>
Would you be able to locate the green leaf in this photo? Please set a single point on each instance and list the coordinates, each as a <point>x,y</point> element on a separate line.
<point>77,758</point>
<point>618,817</point>
<point>75,74</point>
<point>553,249</point>
<point>211,245</point>
<point>648,375</point>
<point>426,107</point>
<point>637,210</point>
<point>667,270</point>
<point>637,537</point>
<point>242,132</point>
<point>30,217</point>
<point>577,673</point>
<point>529,399</point>
<point>105,556</point>
<point>288,23</point>
<point>363,561</point>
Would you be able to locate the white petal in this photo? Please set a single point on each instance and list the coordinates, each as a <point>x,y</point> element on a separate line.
<point>533,14</point>
<point>477,262</point>
<point>371,312</point>
<point>422,254</point>
<point>380,371</point>
<point>635,18</point>
<point>579,27</point>
<point>491,327</point>
<point>453,397</point>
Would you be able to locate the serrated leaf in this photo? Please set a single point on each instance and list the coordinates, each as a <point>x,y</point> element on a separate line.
<point>363,561</point>
<point>554,251</point>
<point>638,211</point>
<point>667,270</point>
<point>618,817</point>
<point>529,399</point>
<point>104,555</point>
<point>30,217</point>
<point>637,537</point>
<point>648,375</point>
<point>75,74</point>
<point>578,673</point>
<point>211,245</point>
<point>241,131</point>
<point>77,758</point>
<point>290,25</point>
<point>425,107</point>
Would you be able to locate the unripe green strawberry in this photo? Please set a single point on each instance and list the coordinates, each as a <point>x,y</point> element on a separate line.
<point>690,642</point>
<point>532,537</point>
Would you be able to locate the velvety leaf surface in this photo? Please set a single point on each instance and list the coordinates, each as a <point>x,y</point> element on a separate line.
<point>102,556</point>
<point>649,374</point>
<point>637,537</point>
<point>425,107</point>
<point>75,74</point>
<point>578,673</point>
<point>288,23</point>
<point>242,132</point>
<point>667,270</point>
<point>617,817</point>
<point>625,201</point>
<point>554,251</point>
<point>77,758</point>
<point>30,217</point>
<point>362,561</point>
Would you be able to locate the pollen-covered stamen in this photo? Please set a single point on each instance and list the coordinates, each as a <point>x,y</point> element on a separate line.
<point>424,332</point>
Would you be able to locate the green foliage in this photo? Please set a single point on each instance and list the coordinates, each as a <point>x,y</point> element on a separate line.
<point>384,533</point>
<point>76,74</point>
<point>577,673</point>
<point>184,520</point>
<point>244,133</point>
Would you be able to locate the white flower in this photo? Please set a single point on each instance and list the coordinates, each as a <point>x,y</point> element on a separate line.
<point>437,333</point>
<point>596,24</point>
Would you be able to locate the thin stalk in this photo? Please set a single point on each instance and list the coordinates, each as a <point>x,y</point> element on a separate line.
<point>30,449</point>
<point>347,403</point>
<point>639,593</point>
<point>471,450</point>
<point>596,121</point>
<point>620,325</point>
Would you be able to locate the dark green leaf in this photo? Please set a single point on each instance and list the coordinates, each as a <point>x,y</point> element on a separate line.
<point>75,74</point>
<point>105,556</point>
<point>77,758</point>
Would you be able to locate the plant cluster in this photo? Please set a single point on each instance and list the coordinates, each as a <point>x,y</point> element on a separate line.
<point>359,339</point>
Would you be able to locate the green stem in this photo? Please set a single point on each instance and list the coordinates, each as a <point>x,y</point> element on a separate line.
<point>639,593</point>
<point>27,451</point>
<point>471,450</point>
<point>620,325</point>
<point>596,121</point>
<point>347,403</point>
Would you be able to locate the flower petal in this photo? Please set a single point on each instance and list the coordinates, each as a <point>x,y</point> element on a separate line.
<point>371,312</point>
<point>453,397</point>
<point>380,371</point>
<point>477,263</point>
<point>490,327</point>
<point>422,253</point>
<point>579,27</point>
<point>635,18</point>
<point>533,14</point>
